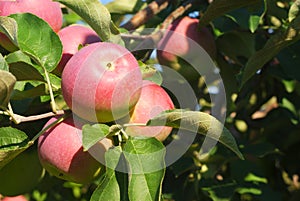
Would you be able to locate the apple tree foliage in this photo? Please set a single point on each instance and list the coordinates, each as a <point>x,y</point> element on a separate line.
<point>257,154</point>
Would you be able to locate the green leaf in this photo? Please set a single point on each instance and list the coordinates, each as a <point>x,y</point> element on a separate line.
<point>294,10</point>
<point>17,56</point>
<point>274,45</point>
<point>91,134</point>
<point>3,64</point>
<point>146,160</point>
<point>37,39</point>
<point>199,122</point>
<point>95,14</point>
<point>253,22</point>
<point>289,60</point>
<point>219,191</point>
<point>11,138</point>
<point>12,143</point>
<point>24,71</point>
<point>9,27</point>
<point>220,7</point>
<point>254,178</point>
<point>22,68</point>
<point>149,72</point>
<point>235,45</point>
<point>7,82</point>
<point>124,6</point>
<point>36,91</point>
<point>108,189</point>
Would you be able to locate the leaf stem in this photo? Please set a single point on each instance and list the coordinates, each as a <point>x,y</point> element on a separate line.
<point>52,102</point>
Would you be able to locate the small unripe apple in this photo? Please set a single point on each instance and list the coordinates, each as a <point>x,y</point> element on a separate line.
<point>180,43</point>
<point>15,198</point>
<point>74,37</point>
<point>46,9</point>
<point>61,153</point>
<point>153,100</point>
<point>101,82</point>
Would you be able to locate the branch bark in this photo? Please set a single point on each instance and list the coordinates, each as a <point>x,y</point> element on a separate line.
<point>145,14</point>
<point>17,119</point>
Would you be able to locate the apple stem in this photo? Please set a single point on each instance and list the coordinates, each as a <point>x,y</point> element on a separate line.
<point>60,119</point>
<point>52,102</point>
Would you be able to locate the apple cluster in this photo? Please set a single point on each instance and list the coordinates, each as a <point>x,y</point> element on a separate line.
<point>101,83</point>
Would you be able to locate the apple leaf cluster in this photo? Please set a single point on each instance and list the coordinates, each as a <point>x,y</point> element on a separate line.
<point>254,47</point>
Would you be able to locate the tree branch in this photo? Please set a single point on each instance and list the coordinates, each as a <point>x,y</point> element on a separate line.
<point>144,15</point>
<point>17,119</point>
<point>177,13</point>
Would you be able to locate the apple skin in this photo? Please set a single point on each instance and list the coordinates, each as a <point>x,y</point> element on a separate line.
<point>15,198</point>
<point>175,45</point>
<point>61,153</point>
<point>101,82</point>
<point>46,9</point>
<point>73,37</point>
<point>153,100</point>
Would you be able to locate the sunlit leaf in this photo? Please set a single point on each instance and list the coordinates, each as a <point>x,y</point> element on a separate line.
<point>9,27</point>
<point>146,161</point>
<point>199,122</point>
<point>108,189</point>
<point>3,64</point>
<point>151,73</point>
<point>253,22</point>
<point>91,134</point>
<point>12,143</point>
<point>95,14</point>
<point>294,10</point>
<point>37,39</point>
<point>124,6</point>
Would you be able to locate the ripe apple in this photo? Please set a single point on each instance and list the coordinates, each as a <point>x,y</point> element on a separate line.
<point>153,100</point>
<point>180,42</point>
<point>15,198</point>
<point>101,82</point>
<point>22,174</point>
<point>74,37</point>
<point>46,9</point>
<point>61,153</point>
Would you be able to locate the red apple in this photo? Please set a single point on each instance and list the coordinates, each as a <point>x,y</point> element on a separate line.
<point>61,153</point>
<point>180,41</point>
<point>15,198</point>
<point>153,100</point>
<point>101,82</point>
<point>46,9</point>
<point>74,37</point>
